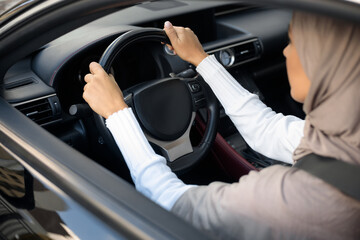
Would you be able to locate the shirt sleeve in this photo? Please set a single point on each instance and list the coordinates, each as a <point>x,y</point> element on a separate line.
<point>267,132</point>
<point>151,175</point>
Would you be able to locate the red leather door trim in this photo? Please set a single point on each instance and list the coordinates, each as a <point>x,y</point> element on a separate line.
<point>230,160</point>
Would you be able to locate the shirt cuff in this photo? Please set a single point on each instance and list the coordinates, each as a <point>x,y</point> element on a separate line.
<point>208,67</point>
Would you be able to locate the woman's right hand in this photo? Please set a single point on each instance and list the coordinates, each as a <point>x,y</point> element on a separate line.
<point>185,44</point>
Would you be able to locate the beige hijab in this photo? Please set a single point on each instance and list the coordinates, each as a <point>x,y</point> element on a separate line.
<point>329,50</point>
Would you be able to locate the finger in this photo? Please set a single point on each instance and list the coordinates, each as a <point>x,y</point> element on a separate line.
<point>88,77</point>
<point>85,87</point>
<point>170,47</point>
<point>96,68</point>
<point>84,95</point>
<point>170,31</point>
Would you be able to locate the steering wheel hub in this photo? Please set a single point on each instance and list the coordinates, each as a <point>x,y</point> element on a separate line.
<point>164,109</point>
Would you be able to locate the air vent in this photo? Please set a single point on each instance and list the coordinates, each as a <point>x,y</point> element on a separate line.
<point>245,51</point>
<point>238,53</point>
<point>41,111</point>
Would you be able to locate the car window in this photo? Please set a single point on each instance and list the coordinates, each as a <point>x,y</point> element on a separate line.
<point>7,4</point>
<point>11,176</point>
<point>31,210</point>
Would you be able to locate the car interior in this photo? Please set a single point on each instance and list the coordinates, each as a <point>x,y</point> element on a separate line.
<point>47,85</point>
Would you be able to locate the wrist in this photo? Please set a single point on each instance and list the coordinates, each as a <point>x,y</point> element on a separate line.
<point>114,109</point>
<point>199,59</point>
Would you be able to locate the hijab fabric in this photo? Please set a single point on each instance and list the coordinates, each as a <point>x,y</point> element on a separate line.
<point>329,51</point>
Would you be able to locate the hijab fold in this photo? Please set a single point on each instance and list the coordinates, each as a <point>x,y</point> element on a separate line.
<point>329,51</point>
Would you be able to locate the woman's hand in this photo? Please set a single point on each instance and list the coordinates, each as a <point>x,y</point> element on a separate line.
<point>102,92</point>
<point>185,44</point>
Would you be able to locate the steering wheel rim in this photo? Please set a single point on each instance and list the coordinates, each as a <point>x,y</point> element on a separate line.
<point>188,160</point>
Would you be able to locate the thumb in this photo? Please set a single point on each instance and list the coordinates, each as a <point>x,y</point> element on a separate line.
<point>170,31</point>
<point>96,68</point>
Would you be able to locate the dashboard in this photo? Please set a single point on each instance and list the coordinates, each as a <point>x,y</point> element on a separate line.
<point>247,40</point>
<point>229,32</point>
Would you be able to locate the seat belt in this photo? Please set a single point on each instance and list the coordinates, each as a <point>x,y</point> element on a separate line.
<point>341,175</point>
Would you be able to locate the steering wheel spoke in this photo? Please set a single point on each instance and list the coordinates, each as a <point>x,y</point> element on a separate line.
<point>173,150</point>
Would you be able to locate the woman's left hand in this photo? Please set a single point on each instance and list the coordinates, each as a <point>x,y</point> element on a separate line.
<point>101,92</point>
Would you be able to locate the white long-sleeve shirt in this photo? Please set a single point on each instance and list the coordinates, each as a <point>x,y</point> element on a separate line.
<point>277,202</point>
<point>271,134</point>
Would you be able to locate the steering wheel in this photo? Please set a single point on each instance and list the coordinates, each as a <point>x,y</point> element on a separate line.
<point>165,108</point>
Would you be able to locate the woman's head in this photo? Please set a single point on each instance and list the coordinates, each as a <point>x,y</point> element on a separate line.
<point>329,53</point>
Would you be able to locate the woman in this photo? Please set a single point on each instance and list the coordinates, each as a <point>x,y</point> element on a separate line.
<point>322,61</point>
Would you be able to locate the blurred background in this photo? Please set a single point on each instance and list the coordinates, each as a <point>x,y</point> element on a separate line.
<point>6,4</point>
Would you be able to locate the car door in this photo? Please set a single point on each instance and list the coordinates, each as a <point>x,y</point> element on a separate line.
<point>49,190</point>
